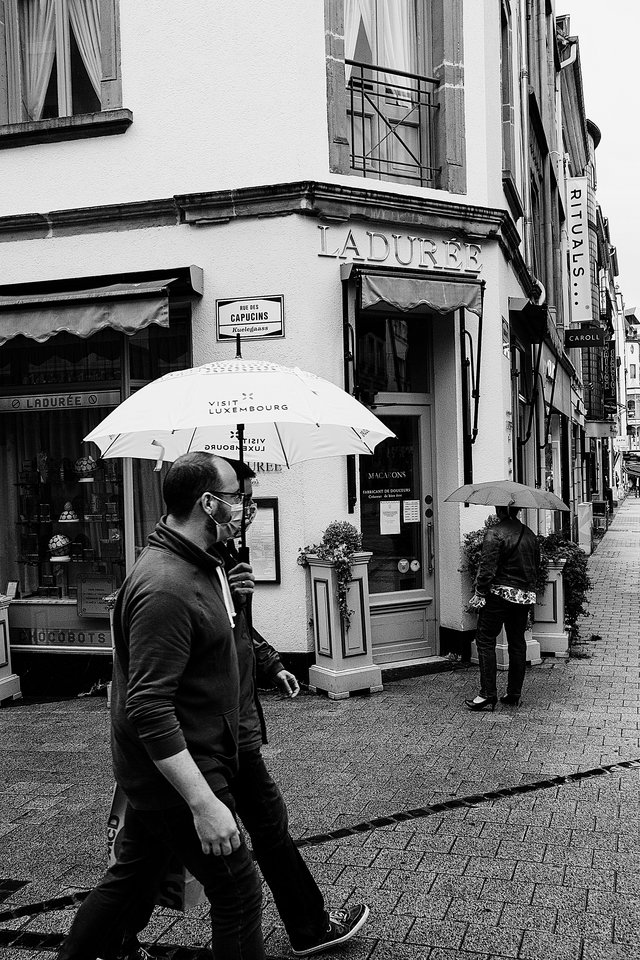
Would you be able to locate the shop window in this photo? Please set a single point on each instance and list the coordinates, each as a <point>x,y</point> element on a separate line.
<point>59,58</point>
<point>393,355</point>
<point>64,517</point>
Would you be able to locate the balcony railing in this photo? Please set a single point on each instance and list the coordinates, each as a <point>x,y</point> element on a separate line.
<point>392,123</point>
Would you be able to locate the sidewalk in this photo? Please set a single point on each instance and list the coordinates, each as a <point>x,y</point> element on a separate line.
<point>544,870</point>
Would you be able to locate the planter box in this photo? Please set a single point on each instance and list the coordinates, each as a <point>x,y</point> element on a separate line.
<point>502,650</point>
<point>548,627</point>
<point>9,681</point>
<point>344,658</point>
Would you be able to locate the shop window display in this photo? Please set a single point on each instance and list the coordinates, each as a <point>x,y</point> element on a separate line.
<point>69,517</point>
<point>393,355</point>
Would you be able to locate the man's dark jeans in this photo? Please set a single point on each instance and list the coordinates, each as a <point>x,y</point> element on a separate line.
<point>495,614</point>
<point>264,814</point>
<point>259,804</point>
<point>123,895</point>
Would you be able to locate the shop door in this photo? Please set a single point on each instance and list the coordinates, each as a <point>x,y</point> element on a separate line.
<point>399,527</point>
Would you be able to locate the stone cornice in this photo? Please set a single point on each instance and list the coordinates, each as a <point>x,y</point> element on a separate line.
<point>334,201</point>
<point>80,220</point>
<point>327,201</point>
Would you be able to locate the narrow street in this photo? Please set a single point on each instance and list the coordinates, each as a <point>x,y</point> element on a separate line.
<point>547,869</point>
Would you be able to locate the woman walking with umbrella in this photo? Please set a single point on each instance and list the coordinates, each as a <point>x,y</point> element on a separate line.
<point>506,581</point>
<point>505,589</point>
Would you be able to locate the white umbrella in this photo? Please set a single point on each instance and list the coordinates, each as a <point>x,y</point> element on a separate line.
<point>240,409</point>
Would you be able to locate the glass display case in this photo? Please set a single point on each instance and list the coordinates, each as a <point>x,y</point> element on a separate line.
<point>70,523</point>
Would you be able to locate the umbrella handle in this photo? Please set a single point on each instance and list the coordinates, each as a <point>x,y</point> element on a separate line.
<point>158,466</point>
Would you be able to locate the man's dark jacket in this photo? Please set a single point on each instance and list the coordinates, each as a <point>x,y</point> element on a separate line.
<point>175,680</point>
<point>508,558</point>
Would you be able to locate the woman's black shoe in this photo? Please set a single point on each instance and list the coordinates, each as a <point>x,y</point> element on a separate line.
<point>486,704</point>
<point>510,700</point>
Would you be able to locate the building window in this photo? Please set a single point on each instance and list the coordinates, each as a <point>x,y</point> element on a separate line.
<point>390,101</point>
<point>631,409</point>
<point>69,515</point>
<point>632,371</point>
<point>506,84</point>
<point>58,58</point>
<point>389,84</point>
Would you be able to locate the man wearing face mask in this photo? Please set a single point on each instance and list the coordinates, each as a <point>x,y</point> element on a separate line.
<point>175,722</point>
<point>258,801</point>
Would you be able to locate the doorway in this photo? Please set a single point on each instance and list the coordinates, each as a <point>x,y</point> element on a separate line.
<point>398,522</point>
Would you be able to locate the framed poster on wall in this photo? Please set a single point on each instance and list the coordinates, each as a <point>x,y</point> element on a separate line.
<point>263,540</point>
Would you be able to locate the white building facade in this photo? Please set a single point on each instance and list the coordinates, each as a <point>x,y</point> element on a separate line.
<point>370,185</point>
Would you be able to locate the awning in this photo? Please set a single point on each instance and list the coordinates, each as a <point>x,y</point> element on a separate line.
<point>601,429</point>
<point>126,307</point>
<point>418,295</point>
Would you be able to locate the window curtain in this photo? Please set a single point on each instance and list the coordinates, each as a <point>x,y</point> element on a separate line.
<point>397,48</point>
<point>357,13</point>
<point>85,23</point>
<point>38,46</point>
<point>391,30</point>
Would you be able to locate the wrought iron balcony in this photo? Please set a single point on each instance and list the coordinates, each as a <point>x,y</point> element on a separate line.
<point>392,123</point>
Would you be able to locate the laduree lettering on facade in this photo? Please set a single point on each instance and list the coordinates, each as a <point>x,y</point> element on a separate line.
<point>405,250</point>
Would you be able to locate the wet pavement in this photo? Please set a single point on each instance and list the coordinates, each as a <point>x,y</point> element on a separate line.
<point>512,834</point>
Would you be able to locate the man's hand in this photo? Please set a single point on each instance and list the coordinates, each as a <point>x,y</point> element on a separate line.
<point>215,826</point>
<point>287,684</point>
<point>241,581</point>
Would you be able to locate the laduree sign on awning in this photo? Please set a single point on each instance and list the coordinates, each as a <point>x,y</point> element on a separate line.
<point>418,295</point>
<point>127,307</point>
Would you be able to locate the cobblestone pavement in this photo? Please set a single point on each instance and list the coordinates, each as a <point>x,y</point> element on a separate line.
<point>550,872</point>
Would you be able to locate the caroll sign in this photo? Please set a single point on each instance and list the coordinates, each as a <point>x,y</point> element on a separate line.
<point>586,337</point>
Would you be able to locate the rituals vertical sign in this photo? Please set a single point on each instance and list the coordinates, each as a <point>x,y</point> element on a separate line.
<point>578,221</point>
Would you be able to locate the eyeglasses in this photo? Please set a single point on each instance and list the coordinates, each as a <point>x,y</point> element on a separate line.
<point>235,497</point>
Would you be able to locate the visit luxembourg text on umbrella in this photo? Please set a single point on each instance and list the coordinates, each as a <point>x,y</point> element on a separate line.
<point>287,416</point>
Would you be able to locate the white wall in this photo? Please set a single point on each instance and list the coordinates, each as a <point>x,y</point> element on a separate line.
<point>233,94</point>
<point>280,256</point>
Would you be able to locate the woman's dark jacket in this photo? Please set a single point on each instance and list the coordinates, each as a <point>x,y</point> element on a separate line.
<point>506,561</point>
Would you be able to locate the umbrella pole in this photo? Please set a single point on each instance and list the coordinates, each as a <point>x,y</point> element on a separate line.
<point>244,550</point>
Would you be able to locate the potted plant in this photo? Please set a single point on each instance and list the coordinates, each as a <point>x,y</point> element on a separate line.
<point>562,554</point>
<point>341,623</point>
<point>339,543</point>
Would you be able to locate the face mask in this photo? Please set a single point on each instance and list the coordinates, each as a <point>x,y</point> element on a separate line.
<point>231,527</point>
